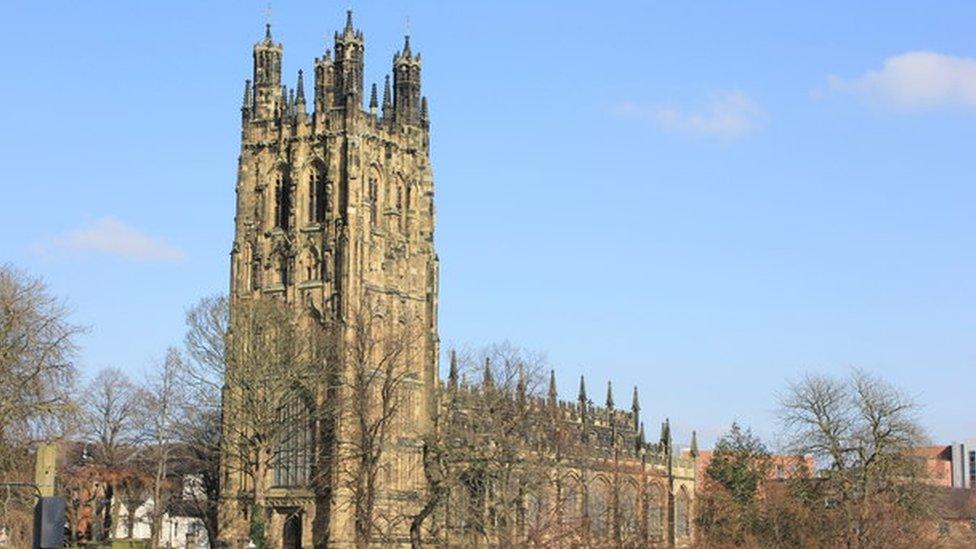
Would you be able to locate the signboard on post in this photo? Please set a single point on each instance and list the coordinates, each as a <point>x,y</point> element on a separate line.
<point>49,521</point>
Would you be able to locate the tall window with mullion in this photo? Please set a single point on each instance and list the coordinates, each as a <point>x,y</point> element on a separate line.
<point>292,465</point>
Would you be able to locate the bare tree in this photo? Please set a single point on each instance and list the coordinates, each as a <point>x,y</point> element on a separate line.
<point>162,400</point>
<point>37,374</point>
<point>110,408</point>
<point>484,459</point>
<point>199,433</point>
<point>862,431</point>
<point>382,354</point>
<point>207,324</point>
<point>37,346</point>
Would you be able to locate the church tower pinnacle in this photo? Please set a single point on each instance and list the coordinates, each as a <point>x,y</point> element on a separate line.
<point>267,75</point>
<point>349,51</point>
<point>406,85</point>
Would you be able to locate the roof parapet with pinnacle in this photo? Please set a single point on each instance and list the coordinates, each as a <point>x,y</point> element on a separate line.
<point>405,55</point>
<point>349,32</point>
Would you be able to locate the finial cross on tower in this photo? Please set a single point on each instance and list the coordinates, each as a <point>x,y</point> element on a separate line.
<point>267,14</point>
<point>406,26</point>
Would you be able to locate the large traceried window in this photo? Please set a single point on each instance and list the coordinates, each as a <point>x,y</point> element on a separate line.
<point>682,518</point>
<point>569,499</point>
<point>628,512</point>
<point>293,455</point>
<point>655,512</point>
<point>598,507</point>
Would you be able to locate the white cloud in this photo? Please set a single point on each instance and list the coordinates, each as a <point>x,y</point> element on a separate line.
<point>915,81</point>
<point>110,236</point>
<point>727,114</point>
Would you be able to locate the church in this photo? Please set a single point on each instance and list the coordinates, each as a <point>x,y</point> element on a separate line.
<point>335,223</point>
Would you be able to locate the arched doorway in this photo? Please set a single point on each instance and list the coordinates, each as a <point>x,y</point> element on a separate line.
<point>291,534</point>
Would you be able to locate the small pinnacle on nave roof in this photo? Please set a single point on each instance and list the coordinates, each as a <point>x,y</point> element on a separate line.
<point>452,376</point>
<point>489,381</point>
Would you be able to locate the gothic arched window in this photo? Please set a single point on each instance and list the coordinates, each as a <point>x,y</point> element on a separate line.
<point>682,518</point>
<point>627,513</point>
<point>655,512</point>
<point>284,270</point>
<point>598,507</point>
<point>293,451</point>
<point>569,498</point>
<point>282,201</point>
<point>316,195</point>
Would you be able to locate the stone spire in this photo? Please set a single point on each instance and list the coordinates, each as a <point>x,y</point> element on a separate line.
<point>301,114</point>
<point>693,451</point>
<point>267,33</point>
<point>424,117</point>
<point>641,438</point>
<point>635,407</point>
<point>387,98</point>
<point>373,103</point>
<point>553,396</point>
<point>584,435</point>
<point>452,376</point>
<point>666,436</point>
<point>610,396</point>
<point>300,87</point>
<point>488,381</point>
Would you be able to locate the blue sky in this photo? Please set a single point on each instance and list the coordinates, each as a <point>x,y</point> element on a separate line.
<point>704,200</point>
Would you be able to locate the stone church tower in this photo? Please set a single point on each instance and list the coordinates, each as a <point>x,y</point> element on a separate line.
<point>335,207</point>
